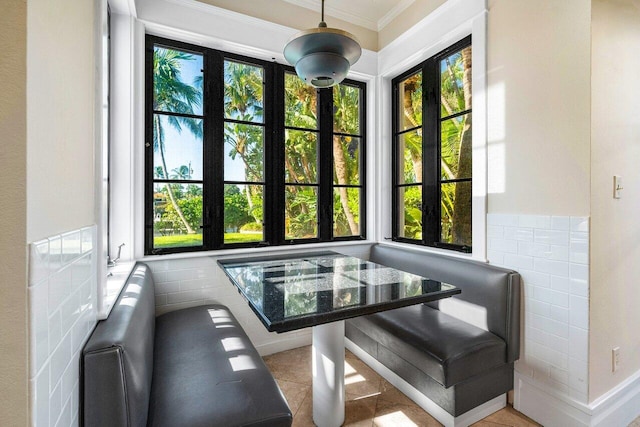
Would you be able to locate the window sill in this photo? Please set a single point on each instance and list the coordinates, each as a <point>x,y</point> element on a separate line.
<point>262,250</point>
<point>118,276</point>
<point>431,250</point>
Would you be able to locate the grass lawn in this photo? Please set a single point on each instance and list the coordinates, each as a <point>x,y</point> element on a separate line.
<point>178,240</point>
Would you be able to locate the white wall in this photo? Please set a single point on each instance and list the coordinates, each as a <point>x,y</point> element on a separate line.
<point>538,106</point>
<point>60,210</point>
<point>60,111</point>
<point>13,176</point>
<point>615,227</point>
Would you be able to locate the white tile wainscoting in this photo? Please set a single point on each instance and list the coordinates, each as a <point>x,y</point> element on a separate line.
<point>62,311</point>
<point>551,253</point>
<point>189,282</point>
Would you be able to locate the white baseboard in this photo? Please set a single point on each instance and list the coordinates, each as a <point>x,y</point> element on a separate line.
<point>618,407</point>
<point>284,344</point>
<point>423,401</point>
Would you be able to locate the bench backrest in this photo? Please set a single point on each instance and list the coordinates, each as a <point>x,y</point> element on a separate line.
<point>117,361</point>
<point>490,296</point>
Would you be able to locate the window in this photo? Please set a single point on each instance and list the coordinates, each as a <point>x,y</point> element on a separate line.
<point>432,151</point>
<point>241,153</point>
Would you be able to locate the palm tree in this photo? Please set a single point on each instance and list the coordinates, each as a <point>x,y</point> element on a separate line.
<point>461,221</point>
<point>346,102</point>
<point>170,93</point>
<point>243,100</point>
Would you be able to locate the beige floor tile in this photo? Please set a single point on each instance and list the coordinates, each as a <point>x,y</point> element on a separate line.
<point>304,416</point>
<point>507,416</point>
<point>370,400</point>
<point>295,393</point>
<point>360,379</point>
<point>291,365</point>
<point>390,414</point>
<point>391,394</point>
<point>359,411</point>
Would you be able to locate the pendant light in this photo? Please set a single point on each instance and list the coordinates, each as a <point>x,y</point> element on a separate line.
<point>322,56</point>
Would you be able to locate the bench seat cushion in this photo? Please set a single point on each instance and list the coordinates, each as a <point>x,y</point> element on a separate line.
<point>443,347</point>
<point>207,373</point>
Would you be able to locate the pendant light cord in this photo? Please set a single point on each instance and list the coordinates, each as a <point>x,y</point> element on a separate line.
<point>322,24</point>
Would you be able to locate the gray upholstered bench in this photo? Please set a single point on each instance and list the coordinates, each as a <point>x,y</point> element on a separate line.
<point>191,367</point>
<point>455,356</point>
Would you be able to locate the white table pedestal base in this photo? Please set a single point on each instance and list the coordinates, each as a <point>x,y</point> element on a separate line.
<point>328,374</point>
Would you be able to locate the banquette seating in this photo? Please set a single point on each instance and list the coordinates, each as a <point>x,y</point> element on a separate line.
<point>191,367</point>
<point>455,356</point>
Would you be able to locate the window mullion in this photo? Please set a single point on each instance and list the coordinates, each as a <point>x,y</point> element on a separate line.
<point>215,150</point>
<point>274,152</point>
<point>394,162</point>
<point>431,164</point>
<point>148,188</point>
<point>325,181</point>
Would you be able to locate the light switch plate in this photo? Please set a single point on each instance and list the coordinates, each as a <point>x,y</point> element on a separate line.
<point>617,186</point>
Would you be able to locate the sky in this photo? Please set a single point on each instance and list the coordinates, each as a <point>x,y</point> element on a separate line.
<point>183,148</point>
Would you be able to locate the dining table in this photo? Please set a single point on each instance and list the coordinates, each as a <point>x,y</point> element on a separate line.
<point>321,290</point>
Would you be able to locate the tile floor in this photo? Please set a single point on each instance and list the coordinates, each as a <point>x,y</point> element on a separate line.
<point>371,400</point>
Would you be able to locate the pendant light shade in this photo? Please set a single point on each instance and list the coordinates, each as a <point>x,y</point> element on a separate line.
<point>322,56</point>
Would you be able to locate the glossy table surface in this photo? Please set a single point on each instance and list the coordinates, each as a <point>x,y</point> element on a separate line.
<point>300,290</point>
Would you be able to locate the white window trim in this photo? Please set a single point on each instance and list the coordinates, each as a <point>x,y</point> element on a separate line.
<point>101,151</point>
<point>448,24</point>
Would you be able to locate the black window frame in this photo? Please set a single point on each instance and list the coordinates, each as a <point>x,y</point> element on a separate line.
<point>431,149</point>
<point>274,133</point>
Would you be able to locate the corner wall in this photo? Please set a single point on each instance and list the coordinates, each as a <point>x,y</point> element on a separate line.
<point>60,110</point>
<point>13,240</point>
<point>539,166</point>
<point>538,107</point>
<point>615,227</point>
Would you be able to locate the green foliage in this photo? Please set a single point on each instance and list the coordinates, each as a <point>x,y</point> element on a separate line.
<point>251,226</point>
<point>236,208</point>
<point>302,213</point>
<point>454,98</point>
<point>413,212</point>
<point>191,208</point>
<point>177,240</point>
<point>180,207</point>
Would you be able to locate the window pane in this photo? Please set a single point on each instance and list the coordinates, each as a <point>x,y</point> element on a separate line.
<point>177,147</point>
<point>456,213</point>
<point>410,157</point>
<point>346,160</point>
<point>301,212</point>
<point>300,103</point>
<point>243,92</point>
<point>300,156</point>
<point>410,102</point>
<point>177,81</point>
<point>456,147</point>
<point>346,109</point>
<point>455,82</point>
<point>346,212</point>
<point>243,215</point>
<point>410,212</point>
<point>177,215</point>
<point>243,152</point>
